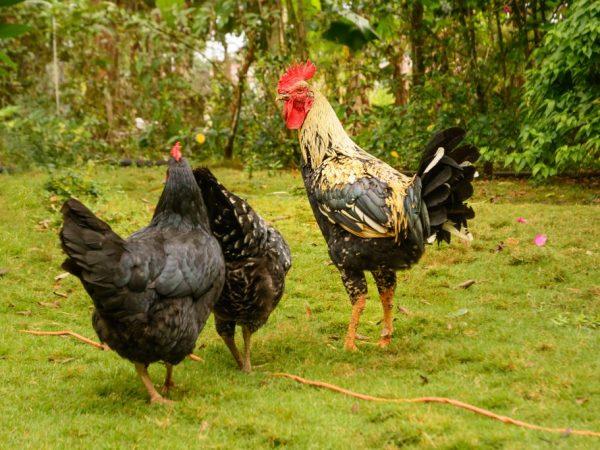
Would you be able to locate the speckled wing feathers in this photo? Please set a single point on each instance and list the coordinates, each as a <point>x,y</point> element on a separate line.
<point>363,195</point>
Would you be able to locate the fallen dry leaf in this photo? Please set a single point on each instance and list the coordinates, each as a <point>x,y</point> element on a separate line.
<point>308,311</point>
<point>60,294</point>
<point>466,284</point>
<point>43,224</point>
<point>3,272</point>
<point>362,337</point>
<point>54,305</point>
<point>280,218</point>
<point>459,312</point>
<point>403,310</point>
<point>512,242</point>
<point>203,427</point>
<point>499,247</point>
<point>60,360</point>
<point>27,312</point>
<point>61,276</point>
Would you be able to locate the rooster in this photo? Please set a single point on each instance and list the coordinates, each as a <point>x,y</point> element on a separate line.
<point>257,259</point>
<point>153,291</point>
<point>373,217</point>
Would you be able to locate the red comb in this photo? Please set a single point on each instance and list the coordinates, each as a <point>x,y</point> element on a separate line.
<point>176,151</point>
<point>296,73</point>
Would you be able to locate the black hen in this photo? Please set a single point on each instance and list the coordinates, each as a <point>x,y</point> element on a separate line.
<point>153,291</point>
<point>256,257</point>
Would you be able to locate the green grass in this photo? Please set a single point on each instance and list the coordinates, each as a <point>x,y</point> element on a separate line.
<point>523,341</point>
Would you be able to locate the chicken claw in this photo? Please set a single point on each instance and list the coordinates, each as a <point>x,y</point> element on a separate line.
<point>155,397</point>
<point>168,380</point>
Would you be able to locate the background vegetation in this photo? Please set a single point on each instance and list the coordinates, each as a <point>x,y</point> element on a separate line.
<point>109,80</point>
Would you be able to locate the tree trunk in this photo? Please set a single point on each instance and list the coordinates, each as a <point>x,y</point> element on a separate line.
<point>298,27</point>
<point>520,15</point>
<point>502,51</point>
<point>301,30</point>
<point>238,95</point>
<point>535,23</point>
<point>416,41</point>
<point>400,88</point>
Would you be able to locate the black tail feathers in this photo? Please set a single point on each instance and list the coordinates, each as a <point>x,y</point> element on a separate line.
<point>233,222</point>
<point>447,171</point>
<point>93,250</point>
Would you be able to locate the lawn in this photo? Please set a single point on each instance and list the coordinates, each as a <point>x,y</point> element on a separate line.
<point>523,341</point>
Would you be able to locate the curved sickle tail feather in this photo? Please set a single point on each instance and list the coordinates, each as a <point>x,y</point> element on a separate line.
<point>446,171</point>
<point>93,251</point>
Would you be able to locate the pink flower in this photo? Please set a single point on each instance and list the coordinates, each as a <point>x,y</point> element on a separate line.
<point>521,220</point>
<point>540,240</point>
<point>507,9</point>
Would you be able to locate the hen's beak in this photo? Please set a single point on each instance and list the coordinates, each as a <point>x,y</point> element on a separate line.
<point>282,97</point>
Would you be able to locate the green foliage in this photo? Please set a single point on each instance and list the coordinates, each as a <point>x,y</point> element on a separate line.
<point>350,29</point>
<point>7,31</point>
<point>34,136</point>
<point>143,74</point>
<point>561,129</point>
<point>68,183</point>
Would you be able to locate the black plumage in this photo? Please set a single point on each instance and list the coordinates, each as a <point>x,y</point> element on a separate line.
<point>153,291</point>
<point>257,259</point>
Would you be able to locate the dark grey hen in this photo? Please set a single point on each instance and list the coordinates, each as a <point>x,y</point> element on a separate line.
<point>153,291</point>
<point>257,259</point>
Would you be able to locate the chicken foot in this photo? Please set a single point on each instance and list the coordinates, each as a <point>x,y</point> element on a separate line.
<point>357,309</point>
<point>168,380</point>
<point>385,279</point>
<point>155,397</point>
<point>387,303</point>
<point>246,367</point>
<point>230,343</point>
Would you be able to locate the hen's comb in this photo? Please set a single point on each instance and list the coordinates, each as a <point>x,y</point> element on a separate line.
<point>296,73</point>
<point>176,151</point>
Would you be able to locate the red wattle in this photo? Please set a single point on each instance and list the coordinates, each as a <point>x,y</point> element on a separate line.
<point>294,115</point>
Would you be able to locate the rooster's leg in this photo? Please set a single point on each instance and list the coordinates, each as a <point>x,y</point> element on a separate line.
<point>356,285</point>
<point>247,367</point>
<point>386,284</point>
<point>168,379</point>
<point>226,330</point>
<point>155,397</point>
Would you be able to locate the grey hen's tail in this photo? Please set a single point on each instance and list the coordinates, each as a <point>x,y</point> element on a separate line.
<point>446,171</point>
<point>240,231</point>
<point>93,252</point>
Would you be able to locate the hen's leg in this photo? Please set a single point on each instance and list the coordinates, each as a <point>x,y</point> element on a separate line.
<point>247,367</point>
<point>386,285</point>
<point>168,380</point>
<point>356,286</point>
<point>226,330</point>
<point>155,397</point>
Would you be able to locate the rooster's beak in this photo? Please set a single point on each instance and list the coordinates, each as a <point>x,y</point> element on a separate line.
<point>282,97</point>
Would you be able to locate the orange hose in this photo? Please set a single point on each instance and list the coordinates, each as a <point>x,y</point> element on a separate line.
<point>86,340</point>
<point>448,401</point>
